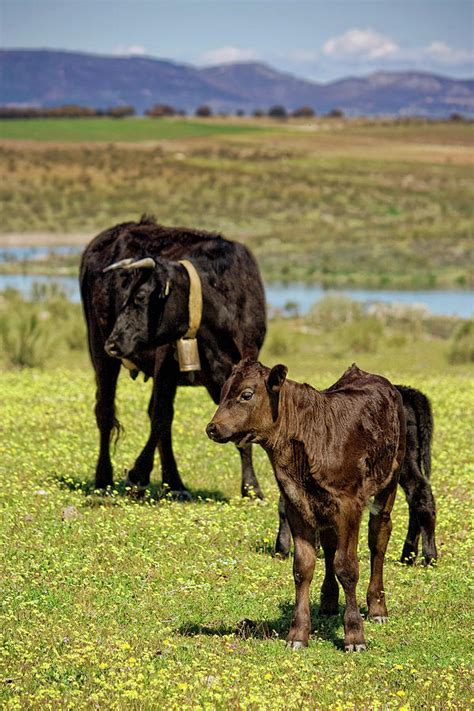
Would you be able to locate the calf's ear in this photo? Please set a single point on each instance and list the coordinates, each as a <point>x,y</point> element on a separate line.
<point>276,378</point>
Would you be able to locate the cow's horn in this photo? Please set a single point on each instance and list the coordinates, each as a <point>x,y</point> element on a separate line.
<point>122,264</point>
<point>146,263</point>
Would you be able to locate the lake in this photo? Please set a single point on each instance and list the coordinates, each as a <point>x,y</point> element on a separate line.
<point>446,303</point>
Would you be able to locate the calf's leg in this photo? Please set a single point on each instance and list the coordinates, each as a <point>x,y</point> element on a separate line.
<point>346,566</point>
<point>422,509</point>
<point>283,540</point>
<point>380,528</point>
<point>330,589</point>
<point>303,569</point>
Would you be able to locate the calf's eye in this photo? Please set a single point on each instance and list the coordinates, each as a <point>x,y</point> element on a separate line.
<point>247,395</point>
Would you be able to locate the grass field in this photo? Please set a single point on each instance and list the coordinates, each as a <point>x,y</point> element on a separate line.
<point>342,203</point>
<point>126,129</point>
<point>110,603</point>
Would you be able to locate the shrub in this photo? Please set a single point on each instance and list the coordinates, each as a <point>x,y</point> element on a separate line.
<point>462,344</point>
<point>333,310</point>
<point>364,335</point>
<point>203,111</point>
<point>303,112</point>
<point>27,341</point>
<point>278,343</point>
<point>277,112</point>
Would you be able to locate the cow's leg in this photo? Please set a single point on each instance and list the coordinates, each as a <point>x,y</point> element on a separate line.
<point>422,509</point>
<point>161,412</point>
<point>107,370</point>
<point>329,589</point>
<point>346,566</point>
<point>380,528</point>
<point>283,540</point>
<point>303,569</point>
<point>250,485</point>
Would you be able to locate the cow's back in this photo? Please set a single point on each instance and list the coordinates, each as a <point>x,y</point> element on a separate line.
<point>227,267</point>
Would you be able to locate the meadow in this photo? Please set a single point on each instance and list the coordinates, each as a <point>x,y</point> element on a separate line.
<point>341,203</point>
<point>108,602</point>
<point>112,603</point>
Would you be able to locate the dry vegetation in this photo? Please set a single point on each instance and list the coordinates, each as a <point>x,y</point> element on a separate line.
<point>342,203</point>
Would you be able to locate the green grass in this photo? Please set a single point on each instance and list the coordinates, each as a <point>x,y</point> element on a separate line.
<point>106,129</point>
<point>381,206</point>
<point>137,606</point>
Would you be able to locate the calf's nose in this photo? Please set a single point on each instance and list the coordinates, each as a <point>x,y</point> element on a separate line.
<point>211,430</point>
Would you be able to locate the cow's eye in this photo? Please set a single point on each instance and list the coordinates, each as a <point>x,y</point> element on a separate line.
<point>247,395</point>
<point>139,298</point>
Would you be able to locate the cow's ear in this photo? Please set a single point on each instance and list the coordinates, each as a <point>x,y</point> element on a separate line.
<point>276,378</point>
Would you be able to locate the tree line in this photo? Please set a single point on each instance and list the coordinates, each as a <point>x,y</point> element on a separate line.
<point>165,110</point>
<point>155,111</point>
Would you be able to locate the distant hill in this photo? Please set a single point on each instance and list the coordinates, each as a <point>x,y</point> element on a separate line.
<point>46,78</point>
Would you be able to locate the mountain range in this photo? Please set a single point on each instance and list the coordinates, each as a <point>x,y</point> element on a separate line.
<point>47,78</point>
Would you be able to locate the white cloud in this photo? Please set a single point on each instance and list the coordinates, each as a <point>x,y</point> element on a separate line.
<point>442,53</point>
<point>130,50</point>
<point>225,55</point>
<point>360,44</point>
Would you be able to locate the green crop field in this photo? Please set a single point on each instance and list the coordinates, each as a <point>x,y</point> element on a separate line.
<point>112,603</point>
<point>106,129</point>
<point>342,204</point>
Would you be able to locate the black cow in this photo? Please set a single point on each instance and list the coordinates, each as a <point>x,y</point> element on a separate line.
<point>139,309</point>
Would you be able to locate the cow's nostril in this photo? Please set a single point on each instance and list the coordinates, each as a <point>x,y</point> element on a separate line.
<point>111,348</point>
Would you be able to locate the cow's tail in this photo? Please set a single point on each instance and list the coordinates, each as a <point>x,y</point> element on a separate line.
<point>85,285</point>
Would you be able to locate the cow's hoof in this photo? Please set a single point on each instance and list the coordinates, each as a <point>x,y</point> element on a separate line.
<point>135,490</point>
<point>379,619</point>
<point>355,648</point>
<point>295,644</point>
<point>180,495</point>
<point>328,612</point>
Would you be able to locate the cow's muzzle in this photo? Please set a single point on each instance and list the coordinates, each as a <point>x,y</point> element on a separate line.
<point>218,433</point>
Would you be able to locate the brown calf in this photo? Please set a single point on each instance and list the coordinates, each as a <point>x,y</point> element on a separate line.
<point>331,451</point>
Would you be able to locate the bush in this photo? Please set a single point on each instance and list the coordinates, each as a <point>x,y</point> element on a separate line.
<point>277,112</point>
<point>32,333</point>
<point>462,344</point>
<point>160,110</point>
<point>278,343</point>
<point>303,112</point>
<point>203,111</point>
<point>363,336</point>
<point>27,341</point>
<point>333,310</point>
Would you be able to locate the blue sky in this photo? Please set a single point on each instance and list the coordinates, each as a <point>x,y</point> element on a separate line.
<point>319,39</point>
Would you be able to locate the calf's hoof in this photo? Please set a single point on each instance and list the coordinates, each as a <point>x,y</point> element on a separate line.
<point>252,492</point>
<point>295,644</point>
<point>355,648</point>
<point>379,619</point>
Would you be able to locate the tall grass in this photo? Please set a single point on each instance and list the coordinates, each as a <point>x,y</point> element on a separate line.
<point>313,207</point>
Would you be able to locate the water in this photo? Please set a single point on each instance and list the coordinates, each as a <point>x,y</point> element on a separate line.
<point>20,254</point>
<point>446,303</point>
